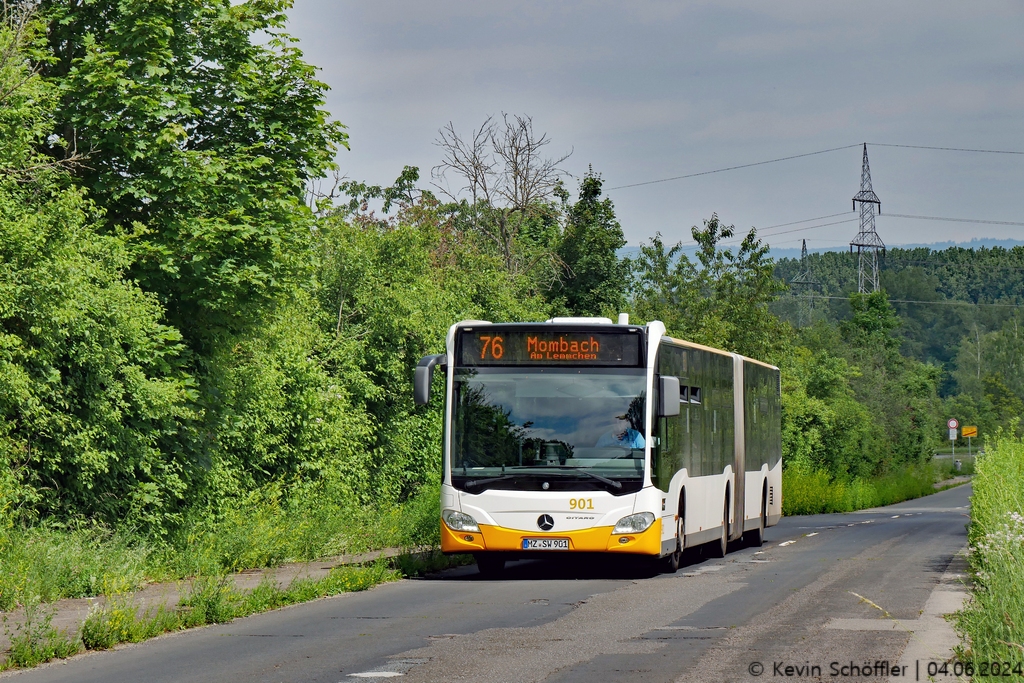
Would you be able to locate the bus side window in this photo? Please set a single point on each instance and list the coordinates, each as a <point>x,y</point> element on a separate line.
<point>694,394</point>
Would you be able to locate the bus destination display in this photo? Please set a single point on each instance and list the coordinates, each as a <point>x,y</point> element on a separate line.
<point>482,346</point>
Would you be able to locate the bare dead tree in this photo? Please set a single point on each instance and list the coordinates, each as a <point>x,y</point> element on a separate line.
<point>320,198</point>
<point>471,160</point>
<point>502,169</point>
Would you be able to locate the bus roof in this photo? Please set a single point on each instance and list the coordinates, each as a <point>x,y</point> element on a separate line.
<point>712,349</point>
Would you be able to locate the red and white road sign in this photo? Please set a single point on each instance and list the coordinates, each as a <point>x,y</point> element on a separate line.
<point>952,423</point>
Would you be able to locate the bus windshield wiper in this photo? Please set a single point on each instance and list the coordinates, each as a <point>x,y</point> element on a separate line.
<point>504,477</point>
<point>606,480</point>
<point>501,477</point>
<point>491,480</point>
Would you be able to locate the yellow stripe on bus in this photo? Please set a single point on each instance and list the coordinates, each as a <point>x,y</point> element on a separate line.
<point>595,539</point>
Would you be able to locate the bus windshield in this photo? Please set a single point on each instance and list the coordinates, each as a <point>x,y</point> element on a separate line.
<point>570,429</point>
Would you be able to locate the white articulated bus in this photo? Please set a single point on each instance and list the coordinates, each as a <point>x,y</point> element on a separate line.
<point>579,435</point>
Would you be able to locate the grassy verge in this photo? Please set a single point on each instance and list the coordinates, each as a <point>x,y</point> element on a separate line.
<point>814,492</point>
<point>209,600</point>
<point>35,640</point>
<point>45,563</point>
<point>42,563</point>
<point>992,623</point>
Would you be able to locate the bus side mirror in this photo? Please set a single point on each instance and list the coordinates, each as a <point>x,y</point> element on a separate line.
<point>424,377</point>
<point>668,401</point>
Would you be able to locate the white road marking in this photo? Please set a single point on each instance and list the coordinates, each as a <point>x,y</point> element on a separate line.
<point>376,674</point>
<point>403,666</point>
<point>784,544</point>
<point>895,517</point>
<point>691,628</point>
<point>814,534</point>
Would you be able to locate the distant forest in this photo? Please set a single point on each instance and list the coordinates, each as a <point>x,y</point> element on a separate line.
<point>959,310</point>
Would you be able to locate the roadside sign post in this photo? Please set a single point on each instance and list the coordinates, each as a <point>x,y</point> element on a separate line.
<point>952,423</point>
<point>969,431</point>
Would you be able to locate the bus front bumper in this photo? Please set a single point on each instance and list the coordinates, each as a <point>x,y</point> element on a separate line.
<point>596,539</point>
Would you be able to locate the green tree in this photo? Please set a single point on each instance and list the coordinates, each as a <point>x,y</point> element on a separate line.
<point>824,427</point>
<point>92,395</point>
<point>722,299</point>
<point>594,278</point>
<point>388,290</point>
<point>203,125</point>
<point>899,393</point>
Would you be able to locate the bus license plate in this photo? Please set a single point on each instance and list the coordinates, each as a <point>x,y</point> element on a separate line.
<point>545,544</point>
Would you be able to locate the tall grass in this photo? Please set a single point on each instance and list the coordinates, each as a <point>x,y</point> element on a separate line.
<point>810,492</point>
<point>209,600</point>
<point>992,623</point>
<point>46,563</point>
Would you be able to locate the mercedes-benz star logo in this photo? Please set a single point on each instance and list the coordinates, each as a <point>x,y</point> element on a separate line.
<point>545,523</point>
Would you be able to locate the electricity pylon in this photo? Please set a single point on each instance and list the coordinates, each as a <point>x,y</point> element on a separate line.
<point>867,240</point>
<point>805,280</point>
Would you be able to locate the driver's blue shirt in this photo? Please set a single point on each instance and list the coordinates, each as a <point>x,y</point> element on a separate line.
<point>631,438</point>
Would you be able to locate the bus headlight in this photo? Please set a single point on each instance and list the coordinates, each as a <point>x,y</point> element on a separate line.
<point>634,524</point>
<point>459,521</point>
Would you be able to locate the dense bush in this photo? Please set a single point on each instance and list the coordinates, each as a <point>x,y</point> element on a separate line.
<point>92,396</point>
<point>993,620</point>
<point>812,492</point>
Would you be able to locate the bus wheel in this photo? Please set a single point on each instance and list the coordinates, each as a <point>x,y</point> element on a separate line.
<point>490,565</point>
<point>720,547</point>
<point>670,563</point>
<point>755,537</point>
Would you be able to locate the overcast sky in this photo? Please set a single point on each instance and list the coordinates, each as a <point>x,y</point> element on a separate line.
<point>645,90</point>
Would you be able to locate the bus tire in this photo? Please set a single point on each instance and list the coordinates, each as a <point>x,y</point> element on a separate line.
<point>756,536</point>
<point>720,547</point>
<point>490,565</point>
<point>670,563</point>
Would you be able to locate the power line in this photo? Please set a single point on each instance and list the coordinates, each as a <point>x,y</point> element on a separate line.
<point>737,240</point>
<point>786,232</point>
<point>891,215</point>
<point>732,168</point>
<point>761,233</point>
<point>806,220</point>
<point>947,149</point>
<point>812,227</point>
<point>954,220</point>
<point>911,301</point>
<point>891,259</point>
<point>844,245</point>
<point>948,264</point>
<point>809,154</point>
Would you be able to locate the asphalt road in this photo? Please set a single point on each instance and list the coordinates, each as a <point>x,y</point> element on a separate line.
<point>797,600</point>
